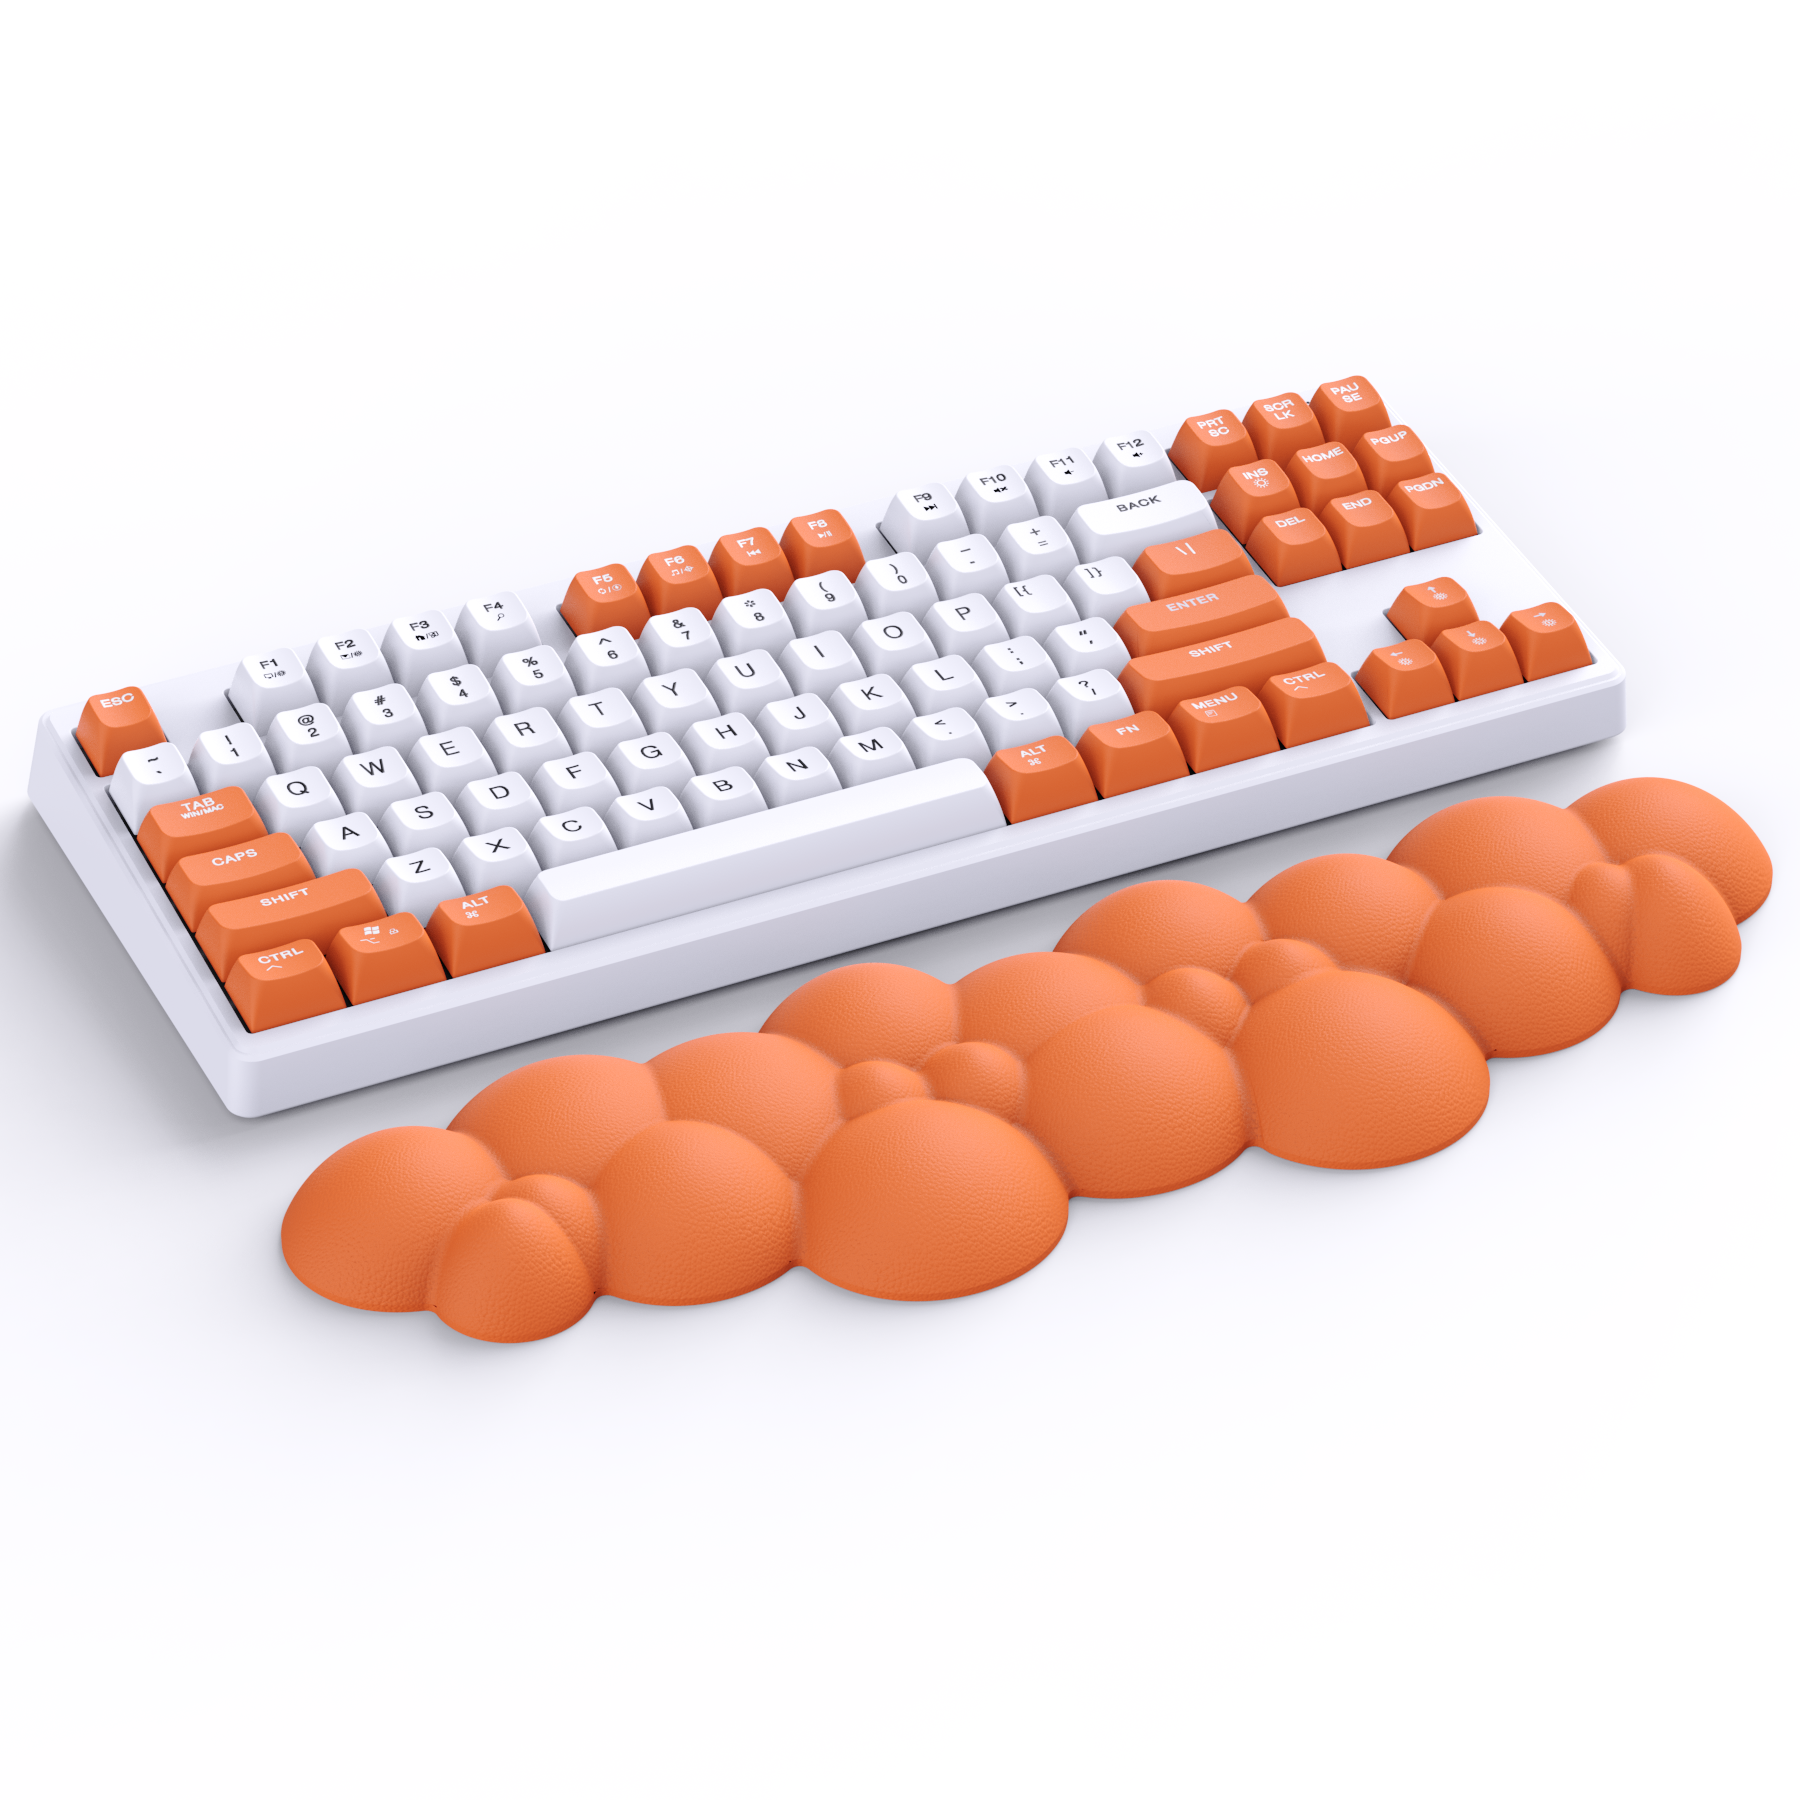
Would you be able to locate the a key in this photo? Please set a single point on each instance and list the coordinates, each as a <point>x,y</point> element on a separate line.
<point>1191,563</point>
<point>384,715</point>
<point>1306,705</point>
<point>1391,454</point>
<point>1403,679</point>
<point>352,842</point>
<point>1431,510</point>
<point>418,881</point>
<point>961,627</point>
<point>679,579</point>
<point>600,598</point>
<point>1017,718</point>
<point>892,644</point>
<point>1035,606</point>
<point>1365,529</point>
<point>444,762</point>
<point>282,986</point>
<point>523,742</point>
<point>1104,588</point>
<point>372,780</point>
<point>674,701</point>
<point>727,742</point>
<point>231,871</point>
<point>499,857</point>
<point>599,660</point>
<point>1034,547</point>
<point>534,677</point>
<point>1207,445</point>
<point>462,696</point>
<point>815,542</point>
<point>1128,524</point>
<point>416,646</point>
<point>646,817</point>
<point>391,955</point>
<point>720,794</point>
<point>489,628</point>
<point>111,724</point>
<point>1081,649</point>
<point>1428,607</point>
<point>425,822</point>
<point>316,909</point>
<point>943,683</point>
<point>599,722</point>
<point>746,683</point>
<point>992,499</point>
<point>870,701</point>
<point>861,756</point>
<point>1123,755</point>
<point>794,724</point>
<point>1323,473</point>
<point>1130,464</point>
<point>345,664</point>
<point>233,756</point>
<point>683,639</point>
<point>568,783</point>
<point>172,829</point>
<point>1062,481</point>
<point>1079,701</point>
<point>648,762</point>
<point>265,684</point>
<point>1546,640</point>
<point>1478,658</point>
<point>942,737</point>
<point>1215,730</point>
<point>828,602</point>
<point>1346,409</point>
<point>1251,492</point>
<point>965,565</point>
<point>1282,425</point>
<point>482,931</point>
<point>891,585</point>
<point>1293,546</point>
<point>145,778</point>
<point>567,837</point>
<point>796,775</point>
<point>497,801</point>
<point>817,664</point>
<point>1199,618</point>
<point>1034,780</point>
<point>307,737</point>
<point>291,801</point>
<point>1020,662</point>
<point>744,562</point>
<point>752,621</point>
<point>1160,682</point>
<point>919,518</point>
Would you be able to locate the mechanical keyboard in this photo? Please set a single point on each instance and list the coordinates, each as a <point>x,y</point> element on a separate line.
<point>396,847</point>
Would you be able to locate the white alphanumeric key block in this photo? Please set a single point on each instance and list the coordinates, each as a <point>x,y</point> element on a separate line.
<point>352,842</point>
<point>533,677</point>
<point>796,775</point>
<point>600,722</point>
<point>492,859</point>
<point>427,822</point>
<point>674,701</point>
<point>383,715</point>
<point>747,682</point>
<point>490,627</point>
<point>370,781</point>
<point>965,565</point>
<point>1104,588</point>
<point>294,800</point>
<point>682,639</point>
<point>345,664</point>
<point>727,742</point>
<point>891,645</point>
<point>1131,463</point>
<point>1094,698</point>
<point>794,724</point>
<point>497,800</point>
<point>992,499</point>
<point>890,585</point>
<point>944,736</point>
<point>445,762</point>
<point>307,737</point>
<point>230,756</point>
<point>147,777</point>
<point>1093,644</point>
<point>417,882</point>
<point>566,837</point>
<point>266,683</point>
<point>602,660</point>
<point>1020,662</point>
<point>861,756</point>
<point>961,627</point>
<point>1034,607</point>
<point>1062,481</point>
<point>648,762</point>
<point>524,741</point>
<point>1128,524</point>
<point>644,818</point>
<point>827,602</point>
<point>816,665</point>
<point>568,783</point>
<point>871,701</point>
<point>752,621</point>
<point>1008,720</point>
<point>720,794</point>
<point>942,683</point>
<point>420,645</point>
<point>919,517</point>
<point>462,696</point>
<point>1038,547</point>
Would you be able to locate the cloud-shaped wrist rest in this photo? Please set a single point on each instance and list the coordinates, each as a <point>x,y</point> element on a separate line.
<point>916,1139</point>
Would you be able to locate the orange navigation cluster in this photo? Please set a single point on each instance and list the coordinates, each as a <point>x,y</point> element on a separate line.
<point>916,1139</point>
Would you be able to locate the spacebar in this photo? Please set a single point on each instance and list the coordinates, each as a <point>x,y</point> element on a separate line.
<point>751,855</point>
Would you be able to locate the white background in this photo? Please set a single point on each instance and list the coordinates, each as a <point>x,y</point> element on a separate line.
<point>1475,1477</point>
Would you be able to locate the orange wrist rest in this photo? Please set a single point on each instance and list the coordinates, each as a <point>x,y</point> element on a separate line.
<point>916,1139</point>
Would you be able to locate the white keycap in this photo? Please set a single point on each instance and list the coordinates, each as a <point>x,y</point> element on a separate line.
<point>1061,482</point>
<point>307,737</point>
<point>1008,720</point>
<point>961,627</point>
<point>533,677</point>
<point>965,565</point>
<point>489,628</point>
<point>230,756</point>
<point>1130,464</point>
<point>729,742</point>
<point>1127,525</point>
<point>796,775</point>
<point>370,781</point>
<point>944,736</point>
<point>816,665</point>
<point>1094,698</point>
<point>679,640</point>
<point>765,850</point>
<point>861,756</point>
<point>561,838</point>
<point>293,801</point>
<point>523,742</point>
<point>418,646</point>
<point>1103,589</point>
<point>674,701</point>
<point>1020,662</point>
<point>147,777</point>
<point>871,701</point>
<point>648,762</point>
<point>599,660</point>
<point>1038,547</point>
<point>445,762</point>
<point>895,584</point>
<point>462,696</point>
<point>568,783</point>
<point>917,518</point>
<point>417,882</point>
<point>383,715</point>
<point>796,723</point>
<point>747,682</point>
<point>992,499</point>
<point>891,645</point>
<point>1093,644</point>
<point>828,602</point>
<point>752,621</point>
<point>644,818</point>
<point>345,664</point>
<point>428,822</point>
<point>1035,607</point>
<point>266,684</point>
<point>721,794</point>
<point>495,859</point>
<point>600,721</point>
<point>497,800</point>
<point>352,842</point>
<point>945,682</point>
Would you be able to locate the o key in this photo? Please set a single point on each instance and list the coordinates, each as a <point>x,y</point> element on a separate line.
<point>316,909</point>
<point>179,828</point>
<point>672,579</point>
<point>1429,607</point>
<point>385,956</point>
<point>815,542</point>
<point>111,724</point>
<point>1309,704</point>
<point>1432,510</point>
<point>1124,755</point>
<point>1191,563</point>
<point>482,931</point>
<point>1478,659</point>
<point>234,871</point>
<point>601,598</point>
<point>1207,445</point>
<point>282,984</point>
<point>1348,408</point>
<point>744,561</point>
<point>1033,780</point>
<point>1218,729</point>
<point>1293,547</point>
<point>1403,679</point>
<point>1547,642</point>
<point>1364,528</point>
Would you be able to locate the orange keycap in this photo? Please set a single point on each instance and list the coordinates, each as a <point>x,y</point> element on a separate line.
<point>1281,425</point>
<point>672,579</point>
<point>1547,642</point>
<point>815,542</point>
<point>601,598</point>
<point>1391,454</point>
<point>1222,728</point>
<point>385,956</point>
<point>747,560</point>
<point>1308,704</point>
<point>1247,658</point>
<point>1207,445</point>
<point>1348,408</point>
<point>1190,564</point>
<point>1478,659</point>
<point>179,828</point>
<point>284,983</point>
<point>1035,779</point>
<point>234,871</point>
<point>1431,510</point>
<point>1364,528</point>
<point>317,909</point>
<point>1429,607</point>
<point>1323,473</point>
<point>1250,493</point>
<point>1124,755</point>
<point>481,931</point>
<point>1404,678</point>
<point>1154,625</point>
<point>1293,546</point>
<point>111,724</point>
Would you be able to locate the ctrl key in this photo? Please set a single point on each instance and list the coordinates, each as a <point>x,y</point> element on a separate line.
<point>282,985</point>
<point>481,931</point>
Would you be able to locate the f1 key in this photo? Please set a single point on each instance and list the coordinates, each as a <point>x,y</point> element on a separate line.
<point>1154,625</point>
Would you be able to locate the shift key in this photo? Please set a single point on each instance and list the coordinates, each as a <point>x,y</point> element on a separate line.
<point>316,909</point>
<point>1160,682</point>
<point>257,866</point>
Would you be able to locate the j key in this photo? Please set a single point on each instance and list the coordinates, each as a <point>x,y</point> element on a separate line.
<point>891,585</point>
<point>1079,701</point>
<point>496,801</point>
<point>523,742</point>
<point>1282,425</point>
<point>891,645</point>
<point>646,818</point>
<point>307,737</point>
<point>744,562</point>
<point>418,882</point>
<point>1128,524</point>
<point>1200,618</point>
<point>648,762</point>
<point>352,842</point>
<point>1159,683</point>
<point>384,715</point>
<point>445,761</point>
<point>1034,780</point>
<point>1102,589</point>
<point>266,684</point>
<point>683,639</point>
<point>599,722</point>
<point>1391,454</point>
<point>489,628</point>
<point>1189,564</point>
<point>1546,641</point>
<point>482,931</point>
<point>1007,720</point>
<point>372,780</point>
<point>344,665</point>
<point>674,580</point>
<point>816,665</point>
<point>869,702</point>
<point>282,986</point>
<point>1035,607</point>
<point>919,518</point>
<point>232,756</point>
<point>419,646</point>
<point>598,598</point>
<point>993,499</point>
<point>1039,546</point>
<point>965,565</point>
<point>606,659</point>
<point>828,602</point>
<point>794,724</point>
<point>173,829</point>
<point>727,742</point>
<point>462,696</point>
<point>1020,662</point>
<point>295,800</point>
<point>568,783</point>
<point>534,677</point>
<point>796,775</point>
<point>727,793</point>
<point>949,681</point>
<point>111,724</point>
<point>1061,482</point>
<point>862,756</point>
<point>1348,408</point>
<point>316,909</point>
<point>494,858</point>
<point>230,871</point>
<point>815,542</point>
<point>1081,649</point>
<point>390,956</point>
<point>674,701</point>
<point>961,627</point>
<point>943,737</point>
<point>567,837</point>
<point>753,621</point>
<point>142,779</point>
<point>744,683</point>
<point>1207,445</point>
<point>427,822</point>
<point>1129,465</point>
